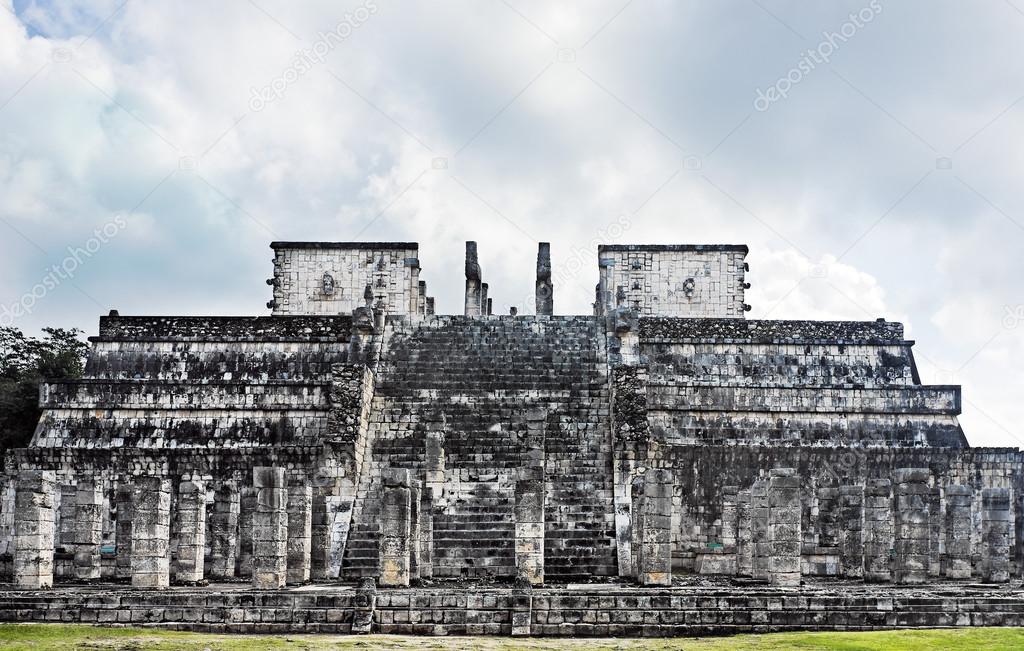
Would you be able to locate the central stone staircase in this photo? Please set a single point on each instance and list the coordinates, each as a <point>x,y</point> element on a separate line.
<point>472,381</point>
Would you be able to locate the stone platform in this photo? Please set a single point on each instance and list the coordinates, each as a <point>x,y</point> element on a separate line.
<point>691,607</point>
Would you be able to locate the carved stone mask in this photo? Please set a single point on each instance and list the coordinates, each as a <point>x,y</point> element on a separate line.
<point>328,284</point>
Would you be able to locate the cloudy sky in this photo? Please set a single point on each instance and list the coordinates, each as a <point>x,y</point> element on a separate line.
<point>868,152</point>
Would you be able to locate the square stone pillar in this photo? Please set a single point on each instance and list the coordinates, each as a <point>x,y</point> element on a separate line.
<point>522,607</point>
<point>720,558</point>
<point>545,293</point>
<point>269,529</point>
<point>300,532</point>
<point>246,512</point>
<point>996,534</point>
<point>655,562</point>
<point>435,466</point>
<point>744,543</point>
<point>395,529</point>
<point>784,527</point>
<point>34,529</point>
<point>151,531</point>
<point>123,532</point>
<point>878,531</point>
<point>426,565</point>
<point>936,541</point>
<point>761,550</point>
<point>191,523</point>
<point>958,528</point>
<point>88,529</point>
<point>912,529</point>
<point>320,536</point>
<point>529,528</point>
<point>414,532</point>
<point>224,531</point>
<point>851,536</point>
<point>636,516</point>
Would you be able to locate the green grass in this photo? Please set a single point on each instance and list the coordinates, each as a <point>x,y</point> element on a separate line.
<point>44,637</point>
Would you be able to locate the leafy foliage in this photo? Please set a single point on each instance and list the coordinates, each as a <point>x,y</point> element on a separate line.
<point>24,363</point>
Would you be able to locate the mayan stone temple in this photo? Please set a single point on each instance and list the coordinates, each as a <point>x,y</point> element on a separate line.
<point>353,462</point>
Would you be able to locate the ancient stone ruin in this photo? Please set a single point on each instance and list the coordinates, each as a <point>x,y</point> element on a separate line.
<point>663,466</point>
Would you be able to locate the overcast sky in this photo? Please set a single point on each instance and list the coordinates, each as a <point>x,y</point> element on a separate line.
<point>867,152</point>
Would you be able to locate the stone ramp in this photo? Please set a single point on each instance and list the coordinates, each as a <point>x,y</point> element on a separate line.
<point>471,382</point>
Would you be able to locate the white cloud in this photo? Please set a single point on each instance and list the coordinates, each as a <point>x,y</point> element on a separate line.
<point>833,172</point>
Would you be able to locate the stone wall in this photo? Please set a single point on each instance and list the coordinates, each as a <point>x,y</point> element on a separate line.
<point>705,610</point>
<point>673,281</point>
<point>330,277</point>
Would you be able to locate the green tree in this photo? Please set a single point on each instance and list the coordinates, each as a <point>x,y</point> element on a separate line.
<point>24,363</point>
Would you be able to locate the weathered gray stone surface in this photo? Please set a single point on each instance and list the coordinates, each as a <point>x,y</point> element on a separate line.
<point>88,532</point>
<point>34,529</point>
<point>224,531</point>
<point>395,529</point>
<point>151,530</point>
<point>300,532</point>
<point>784,527</point>
<point>997,534</point>
<point>270,529</point>
<point>958,529</point>
<point>191,532</point>
<point>910,562</point>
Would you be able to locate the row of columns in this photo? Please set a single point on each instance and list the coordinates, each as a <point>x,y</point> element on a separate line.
<point>883,531</point>
<point>274,534</point>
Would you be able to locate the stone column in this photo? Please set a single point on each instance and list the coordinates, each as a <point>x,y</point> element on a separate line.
<point>191,531</point>
<point>851,537</point>
<point>430,306</point>
<point>958,531</point>
<point>269,529</point>
<point>484,288</point>
<point>911,538</point>
<point>300,532</point>
<point>545,290</point>
<point>123,532</point>
<point>636,517</point>
<point>414,531</point>
<point>784,527</point>
<point>655,566</point>
<point>473,289</point>
<point>151,531</point>
<point>246,511</point>
<point>744,543</point>
<point>529,528</point>
<point>34,529</point>
<point>878,530</point>
<point>996,534</point>
<point>395,529</point>
<point>522,607</point>
<point>828,516</point>
<point>364,604</point>
<point>721,559</point>
<point>434,465</point>
<point>224,531</point>
<point>88,530</point>
<point>761,551</point>
<point>936,543</point>
<point>426,565</point>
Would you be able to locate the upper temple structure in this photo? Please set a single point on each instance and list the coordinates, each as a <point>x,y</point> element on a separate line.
<point>353,434</point>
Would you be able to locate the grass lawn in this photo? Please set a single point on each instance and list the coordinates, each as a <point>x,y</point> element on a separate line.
<point>43,637</point>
